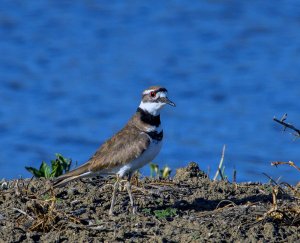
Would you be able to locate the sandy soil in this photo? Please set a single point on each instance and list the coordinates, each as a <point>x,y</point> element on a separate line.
<point>188,208</point>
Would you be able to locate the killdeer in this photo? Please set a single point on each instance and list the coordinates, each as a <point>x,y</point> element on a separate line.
<point>130,149</point>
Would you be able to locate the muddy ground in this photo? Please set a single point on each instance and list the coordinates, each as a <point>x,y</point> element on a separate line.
<point>188,208</point>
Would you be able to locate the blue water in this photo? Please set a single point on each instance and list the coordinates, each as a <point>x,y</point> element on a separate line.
<point>72,72</point>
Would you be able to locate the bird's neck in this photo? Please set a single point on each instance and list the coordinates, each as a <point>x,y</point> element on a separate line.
<point>148,118</point>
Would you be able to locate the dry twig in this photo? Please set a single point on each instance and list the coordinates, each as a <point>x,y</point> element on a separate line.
<point>287,125</point>
<point>290,163</point>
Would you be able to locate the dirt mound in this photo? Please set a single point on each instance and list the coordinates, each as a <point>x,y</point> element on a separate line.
<point>188,208</point>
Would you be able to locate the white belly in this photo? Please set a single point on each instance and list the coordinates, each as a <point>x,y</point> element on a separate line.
<point>146,157</point>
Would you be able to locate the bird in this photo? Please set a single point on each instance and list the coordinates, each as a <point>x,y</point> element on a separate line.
<point>134,146</point>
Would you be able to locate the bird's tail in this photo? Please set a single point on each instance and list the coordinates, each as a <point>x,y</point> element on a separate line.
<point>80,172</point>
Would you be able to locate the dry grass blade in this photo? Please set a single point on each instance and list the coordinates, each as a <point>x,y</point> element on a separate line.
<point>284,214</point>
<point>24,213</point>
<point>274,197</point>
<point>162,183</point>
<point>295,190</point>
<point>290,163</point>
<point>227,205</point>
<point>46,215</point>
<point>220,164</point>
<point>17,189</point>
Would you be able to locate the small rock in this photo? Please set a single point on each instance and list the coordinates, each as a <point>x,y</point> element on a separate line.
<point>79,211</point>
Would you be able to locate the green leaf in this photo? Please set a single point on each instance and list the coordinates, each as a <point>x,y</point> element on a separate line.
<point>166,171</point>
<point>154,169</point>
<point>57,168</point>
<point>34,171</point>
<point>45,170</point>
<point>165,213</point>
<point>67,166</point>
<point>65,163</point>
<point>147,211</point>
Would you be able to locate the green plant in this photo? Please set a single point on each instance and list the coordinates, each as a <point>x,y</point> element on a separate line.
<point>156,172</point>
<point>153,169</point>
<point>147,211</point>
<point>165,172</point>
<point>59,166</point>
<point>165,213</point>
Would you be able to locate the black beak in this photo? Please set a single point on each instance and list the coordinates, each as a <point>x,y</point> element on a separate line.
<point>167,101</point>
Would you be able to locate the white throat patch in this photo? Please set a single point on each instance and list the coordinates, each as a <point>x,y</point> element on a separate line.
<point>152,107</point>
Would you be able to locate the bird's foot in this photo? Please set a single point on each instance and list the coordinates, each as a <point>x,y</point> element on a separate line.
<point>111,213</point>
<point>134,210</point>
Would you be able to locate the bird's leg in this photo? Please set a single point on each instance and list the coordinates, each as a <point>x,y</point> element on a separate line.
<point>128,186</point>
<point>113,199</point>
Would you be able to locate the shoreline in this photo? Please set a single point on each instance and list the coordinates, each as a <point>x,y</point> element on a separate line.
<point>189,207</point>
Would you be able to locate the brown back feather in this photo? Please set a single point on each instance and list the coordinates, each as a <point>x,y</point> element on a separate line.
<point>125,146</point>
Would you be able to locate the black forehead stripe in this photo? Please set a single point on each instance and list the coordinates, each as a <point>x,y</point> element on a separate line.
<point>162,90</point>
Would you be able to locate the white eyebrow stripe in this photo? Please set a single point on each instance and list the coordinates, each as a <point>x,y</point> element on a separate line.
<point>161,93</point>
<point>148,91</point>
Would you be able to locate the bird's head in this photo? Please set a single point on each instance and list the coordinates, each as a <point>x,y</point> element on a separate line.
<point>155,98</point>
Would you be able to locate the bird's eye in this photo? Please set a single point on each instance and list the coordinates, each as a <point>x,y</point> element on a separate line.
<point>152,94</point>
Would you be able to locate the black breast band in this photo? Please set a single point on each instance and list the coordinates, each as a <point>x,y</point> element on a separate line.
<point>156,136</point>
<point>148,118</point>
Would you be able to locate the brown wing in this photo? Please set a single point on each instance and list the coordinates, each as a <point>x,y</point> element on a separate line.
<point>125,146</point>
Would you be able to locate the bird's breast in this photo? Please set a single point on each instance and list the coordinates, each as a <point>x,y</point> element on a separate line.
<point>146,157</point>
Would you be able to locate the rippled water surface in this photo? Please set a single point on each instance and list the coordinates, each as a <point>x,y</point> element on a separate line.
<point>71,74</point>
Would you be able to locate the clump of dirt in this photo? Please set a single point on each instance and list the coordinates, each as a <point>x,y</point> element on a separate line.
<point>189,208</point>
